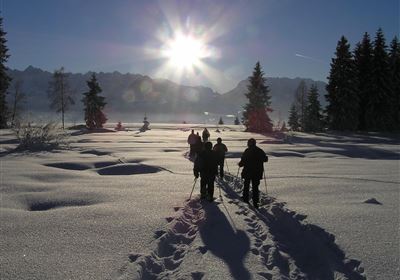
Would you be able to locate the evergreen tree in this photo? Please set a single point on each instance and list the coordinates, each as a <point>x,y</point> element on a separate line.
<point>379,106</point>
<point>301,102</point>
<point>255,116</point>
<point>313,117</point>
<point>294,118</point>
<point>342,109</point>
<point>94,104</point>
<point>59,93</point>
<point>364,72</point>
<point>220,121</point>
<point>237,122</point>
<point>4,78</point>
<point>394,64</point>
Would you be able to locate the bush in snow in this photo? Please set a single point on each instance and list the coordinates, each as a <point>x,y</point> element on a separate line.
<point>38,137</point>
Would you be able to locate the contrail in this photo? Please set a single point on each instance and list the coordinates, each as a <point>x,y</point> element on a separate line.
<point>309,57</point>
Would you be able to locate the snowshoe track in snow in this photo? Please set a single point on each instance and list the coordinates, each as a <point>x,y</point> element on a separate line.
<point>171,247</point>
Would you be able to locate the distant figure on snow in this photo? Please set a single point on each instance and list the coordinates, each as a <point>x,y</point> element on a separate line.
<point>145,125</point>
<point>192,139</point>
<point>205,135</point>
<point>198,146</point>
<point>220,150</point>
<point>252,161</point>
<point>206,165</point>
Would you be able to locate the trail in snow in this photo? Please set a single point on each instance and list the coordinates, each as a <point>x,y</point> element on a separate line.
<point>283,245</point>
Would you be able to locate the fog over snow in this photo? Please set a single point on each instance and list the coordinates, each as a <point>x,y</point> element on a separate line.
<point>115,206</point>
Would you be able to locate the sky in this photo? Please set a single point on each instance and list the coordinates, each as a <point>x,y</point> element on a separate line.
<point>208,43</point>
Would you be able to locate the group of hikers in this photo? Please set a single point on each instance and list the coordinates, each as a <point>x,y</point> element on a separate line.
<point>207,159</point>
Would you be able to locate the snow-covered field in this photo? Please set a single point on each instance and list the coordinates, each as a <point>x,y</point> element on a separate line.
<point>114,206</point>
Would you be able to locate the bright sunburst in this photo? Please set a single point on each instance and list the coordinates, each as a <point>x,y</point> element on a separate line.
<point>184,51</point>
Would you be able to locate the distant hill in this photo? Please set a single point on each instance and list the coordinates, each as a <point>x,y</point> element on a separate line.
<point>128,96</point>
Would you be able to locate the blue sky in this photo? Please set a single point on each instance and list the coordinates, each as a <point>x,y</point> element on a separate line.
<point>291,38</point>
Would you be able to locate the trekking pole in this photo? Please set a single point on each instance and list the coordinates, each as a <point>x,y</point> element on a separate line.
<point>265,182</point>
<point>194,184</point>
<point>226,163</point>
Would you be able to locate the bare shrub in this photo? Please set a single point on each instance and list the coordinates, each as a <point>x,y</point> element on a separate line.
<point>38,137</point>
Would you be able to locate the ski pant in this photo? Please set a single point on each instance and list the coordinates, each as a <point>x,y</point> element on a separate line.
<point>221,168</point>
<point>256,193</point>
<point>192,150</point>
<point>207,186</point>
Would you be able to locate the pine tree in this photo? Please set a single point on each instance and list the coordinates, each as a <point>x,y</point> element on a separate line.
<point>379,107</point>
<point>294,118</point>
<point>342,109</point>
<point>4,78</point>
<point>255,116</point>
<point>313,117</point>
<point>94,104</point>
<point>394,64</point>
<point>301,102</point>
<point>364,68</point>
<point>59,93</point>
<point>220,121</point>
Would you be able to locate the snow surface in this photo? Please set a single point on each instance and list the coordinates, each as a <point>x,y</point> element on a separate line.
<point>114,206</point>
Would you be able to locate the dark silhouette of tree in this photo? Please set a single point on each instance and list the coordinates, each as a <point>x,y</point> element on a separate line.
<point>313,117</point>
<point>380,107</point>
<point>4,78</point>
<point>255,115</point>
<point>93,105</point>
<point>342,109</point>
<point>364,68</point>
<point>236,121</point>
<point>301,102</point>
<point>394,64</point>
<point>59,93</point>
<point>294,118</point>
<point>17,99</point>
<point>220,121</point>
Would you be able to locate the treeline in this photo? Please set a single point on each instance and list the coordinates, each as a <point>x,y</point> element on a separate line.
<point>363,90</point>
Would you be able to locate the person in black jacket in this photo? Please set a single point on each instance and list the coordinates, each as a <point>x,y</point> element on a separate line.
<point>221,149</point>
<point>206,165</point>
<point>252,162</point>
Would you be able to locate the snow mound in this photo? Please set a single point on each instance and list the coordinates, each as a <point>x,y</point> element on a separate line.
<point>69,165</point>
<point>96,152</point>
<point>372,201</point>
<point>49,205</point>
<point>128,169</point>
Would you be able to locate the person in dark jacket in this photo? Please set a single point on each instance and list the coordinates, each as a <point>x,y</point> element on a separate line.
<point>205,135</point>
<point>198,146</point>
<point>206,165</point>
<point>220,148</point>
<point>192,139</point>
<point>252,161</point>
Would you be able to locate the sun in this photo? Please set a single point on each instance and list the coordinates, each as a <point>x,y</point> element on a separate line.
<point>184,51</point>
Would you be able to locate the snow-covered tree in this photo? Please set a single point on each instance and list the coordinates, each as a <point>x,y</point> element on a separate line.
<point>4,78</point>
<point>255,114</point>
<point>94,104</point>
<point>59,93</point>
<point>342,109</point>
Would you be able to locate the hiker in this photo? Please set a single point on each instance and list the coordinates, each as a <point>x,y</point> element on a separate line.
<point>198,146</point>
<point>206,165</point>
<point>252,161</point>
<point>192,141</point>
<point>205,135</point>
<point>220,149</point>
